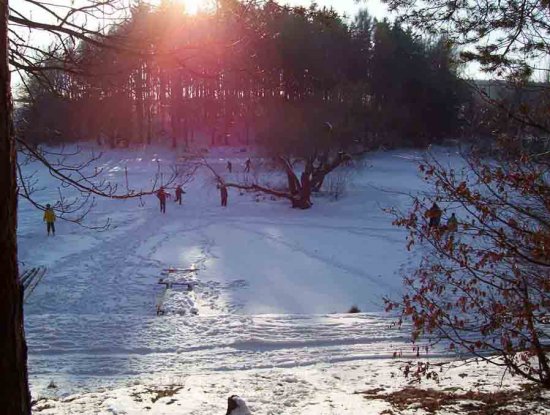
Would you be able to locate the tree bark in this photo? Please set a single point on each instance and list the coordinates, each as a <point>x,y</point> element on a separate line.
<point>14,389</point>
<point>174,121</point>
<point>213,137</point>
<point>293,184</point>
<point>139,102</point>
<point>318,174</point>
<point>149,124</point>
<point>186,131</point>
<point>300,191</point>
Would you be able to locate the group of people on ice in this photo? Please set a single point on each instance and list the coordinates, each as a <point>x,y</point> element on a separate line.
<point>434,215</point>
<point>162,195</point>
<point>247,166</point>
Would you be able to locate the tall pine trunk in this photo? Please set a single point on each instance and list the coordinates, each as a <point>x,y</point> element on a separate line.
<point>140,103</point>
<point>186,131</point>
<point>14,389</point>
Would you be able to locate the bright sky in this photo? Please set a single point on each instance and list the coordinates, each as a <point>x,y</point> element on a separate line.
<point>349,7</point>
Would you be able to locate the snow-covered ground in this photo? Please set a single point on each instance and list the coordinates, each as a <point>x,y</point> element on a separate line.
<point>263,312</point>
<point>373,387</point>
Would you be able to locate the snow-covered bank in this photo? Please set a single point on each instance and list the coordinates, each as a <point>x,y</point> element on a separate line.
<point>270,287</point>
<point>356,388</point>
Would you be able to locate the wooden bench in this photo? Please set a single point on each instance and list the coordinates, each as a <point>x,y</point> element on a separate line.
<point>170,283</point>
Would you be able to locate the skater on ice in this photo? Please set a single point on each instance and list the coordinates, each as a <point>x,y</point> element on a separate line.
<point>247,165</point>
<point>229,166</point>
<point>49,218</point>
<point>434,215</point>
<point>223,194</point>
<point>162,195</point>
<point>452,223</point>
<point>179,192</point>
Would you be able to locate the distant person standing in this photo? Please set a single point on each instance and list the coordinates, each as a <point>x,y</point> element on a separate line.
<point>247,165</point>
<point>162,195</point>
<point>434,215</point>
<point>223,194</point>
<point>229,166</point>
<point>452,223</point>
<point>179,193</point>
<point>49,218</point>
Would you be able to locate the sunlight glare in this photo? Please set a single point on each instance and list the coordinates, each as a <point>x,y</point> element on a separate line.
<point>193,6</point>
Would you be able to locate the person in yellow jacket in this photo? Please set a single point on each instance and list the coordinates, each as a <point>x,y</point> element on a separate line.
<point>49,218</point>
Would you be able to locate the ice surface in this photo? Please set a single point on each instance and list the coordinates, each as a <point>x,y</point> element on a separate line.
<point>272,283</point>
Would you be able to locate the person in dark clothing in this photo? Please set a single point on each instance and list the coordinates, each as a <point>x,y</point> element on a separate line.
<point>162,195</point>
<point>49,218</point>
<point>223,194</point>
<point>247,165</point>
<point>229,166</point>
<point>434,215</point>
<point>452,223</point>
<point>179,192</point>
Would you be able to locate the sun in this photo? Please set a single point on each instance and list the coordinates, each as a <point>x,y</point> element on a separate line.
<point>193,6</point>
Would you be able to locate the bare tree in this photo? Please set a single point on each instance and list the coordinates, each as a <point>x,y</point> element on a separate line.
<point>483,284</point>
<point>68,25</point>
<point>304,149</point>
<point>85,182</point>
<point>297,190</point>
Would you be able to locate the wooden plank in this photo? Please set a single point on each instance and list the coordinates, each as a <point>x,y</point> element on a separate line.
<point>170,280</point>
<point>30,280</point>
<point>28,275</point>
<point>173,270</point>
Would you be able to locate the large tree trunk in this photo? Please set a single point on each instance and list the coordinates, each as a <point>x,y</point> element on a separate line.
<point>318,174</point>
<point>14,389</point>
<point>317,180</point>
<point>300,191</point>
<point>293,184</point>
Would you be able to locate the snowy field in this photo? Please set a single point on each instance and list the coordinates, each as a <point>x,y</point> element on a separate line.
<point>263,313</point>
<point>372,387</point>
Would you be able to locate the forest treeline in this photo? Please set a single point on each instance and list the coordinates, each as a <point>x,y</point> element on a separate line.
<point>247,73</point>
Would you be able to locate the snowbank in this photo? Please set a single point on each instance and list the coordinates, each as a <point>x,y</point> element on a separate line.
<point>370,387</point>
